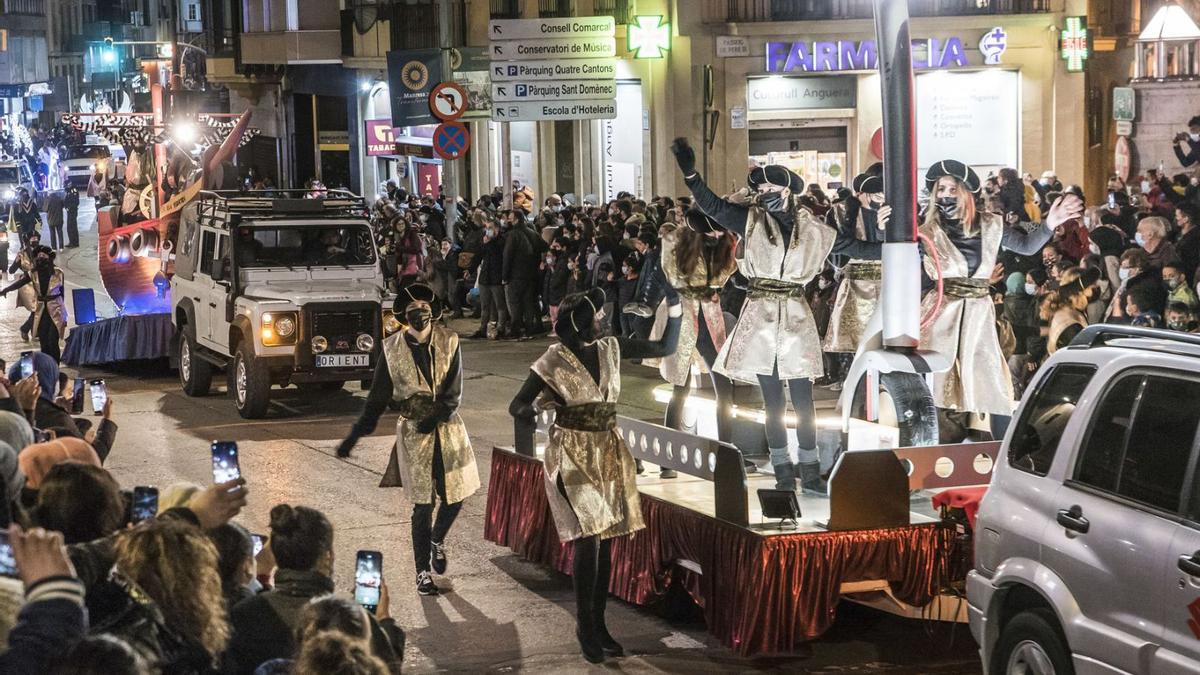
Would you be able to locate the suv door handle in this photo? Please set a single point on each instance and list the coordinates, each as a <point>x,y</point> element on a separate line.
<point>1073,519</point>
<point>212,304</point>
<point>1189,564</point>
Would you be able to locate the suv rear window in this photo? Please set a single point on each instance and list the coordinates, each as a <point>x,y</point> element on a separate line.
<point>1141,440</point>
<point>1046,415</point>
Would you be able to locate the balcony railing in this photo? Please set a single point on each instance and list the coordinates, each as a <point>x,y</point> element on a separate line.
<point>735,11</point>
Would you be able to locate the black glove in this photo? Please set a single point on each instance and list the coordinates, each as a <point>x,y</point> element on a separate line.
<point>347,445</point>
<point>427,425</point>
<point>685,156</point>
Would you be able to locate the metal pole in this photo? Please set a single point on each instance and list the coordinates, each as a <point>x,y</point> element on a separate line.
<point>449,167</point>
<point>901,283</point>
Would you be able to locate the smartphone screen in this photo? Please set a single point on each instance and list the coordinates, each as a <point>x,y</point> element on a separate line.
<point>99,396</point>
<point>225,461</point>
<point>8,562</point>
<point>368,578</point>
<point>145,503</point>
<point>77,397</point>
<point>26,364</point>
<point>260,540</point>
<point>1112,201</point>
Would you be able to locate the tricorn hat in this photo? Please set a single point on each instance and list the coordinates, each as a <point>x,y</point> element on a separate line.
<point>417,292</point>
<point>699,222</point>
<point>777,175</point>
<point>867,183</point>
<point>954,169</point>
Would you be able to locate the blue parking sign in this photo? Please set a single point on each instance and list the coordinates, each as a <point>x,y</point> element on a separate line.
<point>522,90</point>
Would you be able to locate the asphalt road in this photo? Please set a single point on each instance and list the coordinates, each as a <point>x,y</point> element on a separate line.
<point>497,613</point>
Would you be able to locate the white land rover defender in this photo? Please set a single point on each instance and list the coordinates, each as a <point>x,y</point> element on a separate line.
<point>277,291</point>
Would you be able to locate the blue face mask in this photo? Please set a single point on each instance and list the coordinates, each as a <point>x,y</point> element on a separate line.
<point>1141,241</point>
<point>1030,289</point>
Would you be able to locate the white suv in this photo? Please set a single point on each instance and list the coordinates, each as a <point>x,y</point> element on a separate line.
<point>1087,549</point>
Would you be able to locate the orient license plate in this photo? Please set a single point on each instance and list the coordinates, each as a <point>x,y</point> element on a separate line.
<point>343,360</point>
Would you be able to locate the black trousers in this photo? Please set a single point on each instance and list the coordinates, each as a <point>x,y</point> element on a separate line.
<point>56,236</point>
<point>73,227</point>
<point>425,528</point>
<point>521,295</point>
<point>48,337</point>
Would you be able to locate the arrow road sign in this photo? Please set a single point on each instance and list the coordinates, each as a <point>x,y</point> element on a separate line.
<point>451,140</point>
<point>554,110</point>
<point>554,91</point>
<point>563,48</point>
<point>448,101</point>
<point>524,29</point>
<point>567,69</point>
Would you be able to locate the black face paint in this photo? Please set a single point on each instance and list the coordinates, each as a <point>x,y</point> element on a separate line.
<point>948,206</point>
<point>418,318</point>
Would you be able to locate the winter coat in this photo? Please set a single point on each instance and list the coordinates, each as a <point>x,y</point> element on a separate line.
<point>264,625</point>
<point>523,249</point>
<point>560,277</point>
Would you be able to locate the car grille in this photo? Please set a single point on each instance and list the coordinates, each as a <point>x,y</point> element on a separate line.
<point>342,325</point>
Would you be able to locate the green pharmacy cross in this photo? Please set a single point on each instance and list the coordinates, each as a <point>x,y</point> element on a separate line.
<point>649,37</point>
<point>1074,41</point>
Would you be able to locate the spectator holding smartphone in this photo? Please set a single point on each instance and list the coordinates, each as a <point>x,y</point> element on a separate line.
<point>53,617</point>
<point>1187,143</point>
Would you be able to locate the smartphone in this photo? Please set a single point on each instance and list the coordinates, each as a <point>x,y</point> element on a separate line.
<point>99,396</point>
<point>77,397</point>
<point>260,540</point>
<point>368,579</point>
<point>145,503</point>
<point>26,364</point>
<point>8,562</point>
<point>225,461</point>
<point>1112,200</point>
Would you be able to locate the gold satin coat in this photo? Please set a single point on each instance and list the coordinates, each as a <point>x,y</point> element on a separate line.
<point>779,330</point>
<point>55,308</point>
<point>412,454</point>
<point>597,471</point>
<point>27,294</point>
<point>677,368</point>
<point>964,329</point>
<point>856,296</point>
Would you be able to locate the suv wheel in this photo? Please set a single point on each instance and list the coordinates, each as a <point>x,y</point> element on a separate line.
<point>195,374</point>
<point>251,384</point>
<point>1031,644</point>
<point>906,403</point>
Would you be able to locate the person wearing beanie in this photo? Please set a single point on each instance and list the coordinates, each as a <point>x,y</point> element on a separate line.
<point>591,480</point>
<point>775,340</point>
<point>432,458</point>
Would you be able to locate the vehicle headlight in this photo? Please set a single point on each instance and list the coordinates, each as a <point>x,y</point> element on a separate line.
<point>319,344</point>
<point>390,323</point>
<point>8,193</point>
<point>93,166</point>
<point>365,343</point>
<point>279,328</point>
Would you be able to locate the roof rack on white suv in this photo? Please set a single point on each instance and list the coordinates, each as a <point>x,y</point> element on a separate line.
<point>1100,335</point>
<point>277,204</point>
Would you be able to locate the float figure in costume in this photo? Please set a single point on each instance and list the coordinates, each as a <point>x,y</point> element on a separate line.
<point>432,458</point>
<point>48,309</point>
<point>697,260</point>
<point>967,241</point>
<point>25,295</point>
<point>775,341</point>
<point>590,475</point>
<point>857,221</point>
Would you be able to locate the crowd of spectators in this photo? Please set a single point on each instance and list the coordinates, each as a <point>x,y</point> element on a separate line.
<point>86,590</point>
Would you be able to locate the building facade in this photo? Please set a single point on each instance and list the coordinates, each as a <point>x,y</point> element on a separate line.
<point>24,59</point>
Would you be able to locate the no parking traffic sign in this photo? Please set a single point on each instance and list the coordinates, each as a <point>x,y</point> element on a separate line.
<point>451,140</point>
<point>448,101</point>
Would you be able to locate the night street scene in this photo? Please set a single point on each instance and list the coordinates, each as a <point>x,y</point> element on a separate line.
<point>358,337</point>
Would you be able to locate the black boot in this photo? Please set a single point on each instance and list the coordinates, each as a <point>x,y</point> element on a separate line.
<point>584,579</point>
<point>810,479</point>
<point>785,476</point>
<point>600,603</point>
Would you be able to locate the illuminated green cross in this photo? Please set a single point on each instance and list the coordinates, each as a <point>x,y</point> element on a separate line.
<point>649,37</point>
<point>1074,41</point>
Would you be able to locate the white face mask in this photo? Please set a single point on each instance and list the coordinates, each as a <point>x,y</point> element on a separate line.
<point>1145,186</point>
<point>1141,241</point>
<point>1030,289</point>
<point>1124,273</point>
<point>1194,137</point>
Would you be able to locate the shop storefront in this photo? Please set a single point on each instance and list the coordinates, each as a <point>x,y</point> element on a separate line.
<point>401,154</point>
<point>984,94</point>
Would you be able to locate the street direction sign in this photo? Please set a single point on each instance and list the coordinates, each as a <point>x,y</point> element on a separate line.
<point>451,140</point>
<point>554,110</point>
<point>448,101</point>
<point>524,29</point>
<point>573,69</point>
<point>578,90</point>
<point>563,48</point>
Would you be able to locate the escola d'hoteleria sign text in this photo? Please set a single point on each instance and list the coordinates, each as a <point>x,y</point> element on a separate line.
<point>830,56</point>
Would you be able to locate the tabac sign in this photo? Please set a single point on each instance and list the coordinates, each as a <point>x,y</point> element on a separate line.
<point>838,55</point>
<point>379,138</point>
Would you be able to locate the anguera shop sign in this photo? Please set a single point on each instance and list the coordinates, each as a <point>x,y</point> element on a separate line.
<point>835,55</point>
<point>379,137</point>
